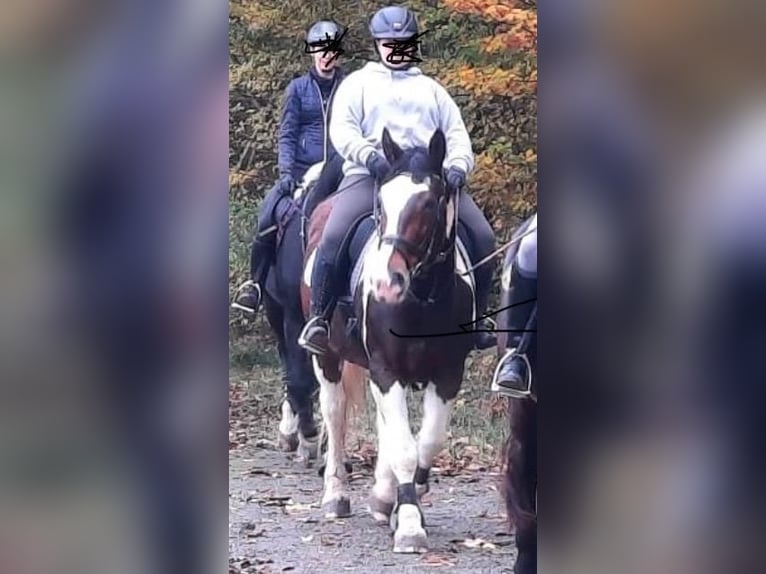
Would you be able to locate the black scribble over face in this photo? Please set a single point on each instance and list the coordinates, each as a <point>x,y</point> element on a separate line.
<point>397,52</point>
<point>330,48</point>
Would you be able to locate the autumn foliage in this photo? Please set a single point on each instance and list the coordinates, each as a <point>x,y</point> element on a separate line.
<point>483,51</point>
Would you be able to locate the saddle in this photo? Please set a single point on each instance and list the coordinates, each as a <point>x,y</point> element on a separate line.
<point>318,183</point>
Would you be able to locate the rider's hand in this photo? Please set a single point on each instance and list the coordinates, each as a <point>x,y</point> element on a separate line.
<point>455,178</point>
<point>378,166</point>
<point>286,184</point>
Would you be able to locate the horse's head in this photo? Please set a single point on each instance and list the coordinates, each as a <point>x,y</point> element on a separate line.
<point>416,218</point>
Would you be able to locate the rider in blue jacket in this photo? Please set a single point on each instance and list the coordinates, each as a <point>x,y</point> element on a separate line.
<point>303,142</point>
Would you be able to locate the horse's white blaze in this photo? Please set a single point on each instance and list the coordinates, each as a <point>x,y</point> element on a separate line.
<point>433,432</point>
<point>289,423</point>
<point>332,400</point>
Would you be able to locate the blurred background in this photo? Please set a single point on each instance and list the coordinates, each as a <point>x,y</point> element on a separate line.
<point>113,230</point>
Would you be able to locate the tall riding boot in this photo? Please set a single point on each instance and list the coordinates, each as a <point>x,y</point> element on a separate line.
<point>513,374</point>
<point>485,338</point>
<point>315,336</point>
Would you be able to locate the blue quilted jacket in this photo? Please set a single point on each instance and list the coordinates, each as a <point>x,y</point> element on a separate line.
<point>303,137</point>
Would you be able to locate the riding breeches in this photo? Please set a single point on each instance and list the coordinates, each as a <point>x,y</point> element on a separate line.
<point>483,240</point>
<point>526,257</point>
<point>355,200</point>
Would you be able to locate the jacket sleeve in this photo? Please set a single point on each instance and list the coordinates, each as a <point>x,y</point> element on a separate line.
<point>459,150</point>
<point>346,122</point>
<point>289,128</point>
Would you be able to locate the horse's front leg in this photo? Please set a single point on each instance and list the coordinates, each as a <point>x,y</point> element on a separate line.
<point>402,454</point>
<point>433,433</point>
<point>332,400</point>
<point>383,494</point>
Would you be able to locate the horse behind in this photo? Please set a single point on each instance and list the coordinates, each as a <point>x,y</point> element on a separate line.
<point>412,287</point>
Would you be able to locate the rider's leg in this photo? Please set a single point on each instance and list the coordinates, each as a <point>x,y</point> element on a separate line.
<point>523,300</point>
<point>355,200</point>
<point>250,294</point>
<point>483,238</point>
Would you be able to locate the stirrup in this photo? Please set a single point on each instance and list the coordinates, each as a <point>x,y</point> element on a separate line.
<point>525,393</point>
<point>237,305</point>
<point>308,345</point>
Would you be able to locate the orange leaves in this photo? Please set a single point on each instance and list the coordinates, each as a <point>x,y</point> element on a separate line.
<point>519,24</point>
<point>487,81</point>
<point>496,10</point>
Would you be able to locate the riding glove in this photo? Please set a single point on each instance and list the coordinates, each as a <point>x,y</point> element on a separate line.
<point>378,166</point>
<point>286,184</point>
<point>455,177</point>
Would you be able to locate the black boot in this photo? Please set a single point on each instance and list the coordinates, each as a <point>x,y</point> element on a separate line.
<point>513,373</point>
<point>250,293</point>
<point>485,337</point>
<point>315,336</point>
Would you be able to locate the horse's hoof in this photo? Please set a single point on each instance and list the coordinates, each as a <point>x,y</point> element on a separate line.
<point>287,442</point>
<point>380,510</point>
<point>411,542</point>
<point>308,449</point>
<point>421,489</point>
<point>338,508</point>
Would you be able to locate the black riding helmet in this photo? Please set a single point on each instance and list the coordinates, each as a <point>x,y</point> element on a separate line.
<point>393,22</point>
<point>323,31</point>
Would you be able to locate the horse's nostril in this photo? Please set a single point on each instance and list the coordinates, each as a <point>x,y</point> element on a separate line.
<point>397,279</point>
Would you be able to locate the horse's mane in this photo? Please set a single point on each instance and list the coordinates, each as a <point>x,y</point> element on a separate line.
<point>416,161</point>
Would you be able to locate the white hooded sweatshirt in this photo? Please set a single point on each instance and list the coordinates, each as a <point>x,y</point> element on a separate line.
<point>410,104</point>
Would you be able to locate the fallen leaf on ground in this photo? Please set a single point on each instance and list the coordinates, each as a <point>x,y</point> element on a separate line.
<point>439,559</point>
<point>476,543</point>
<point>298,507</point>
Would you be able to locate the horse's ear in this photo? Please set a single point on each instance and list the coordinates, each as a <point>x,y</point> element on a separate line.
<point>392,151</point>
<point>437,149</point>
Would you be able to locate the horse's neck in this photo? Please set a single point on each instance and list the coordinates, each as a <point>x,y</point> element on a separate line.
<point>438,280</point>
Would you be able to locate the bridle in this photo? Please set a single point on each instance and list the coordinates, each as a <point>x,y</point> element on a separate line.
<point>434,252</point>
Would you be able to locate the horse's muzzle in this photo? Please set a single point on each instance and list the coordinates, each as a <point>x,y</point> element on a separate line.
<point>392,290</point>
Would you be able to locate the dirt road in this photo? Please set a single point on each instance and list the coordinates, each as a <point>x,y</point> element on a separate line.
<point>276,525</point>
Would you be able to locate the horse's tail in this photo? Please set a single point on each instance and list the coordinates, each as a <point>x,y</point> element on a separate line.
<point>520,476</point>
<point>353,379</point>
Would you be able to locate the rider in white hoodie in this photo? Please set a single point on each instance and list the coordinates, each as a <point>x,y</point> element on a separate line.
<point>395,94</point>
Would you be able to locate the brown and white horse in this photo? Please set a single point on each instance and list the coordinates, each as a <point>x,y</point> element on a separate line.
<point>411,289</point>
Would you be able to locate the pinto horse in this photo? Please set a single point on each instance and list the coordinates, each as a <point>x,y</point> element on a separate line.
<point>520,451</point>
<point>412,285</point>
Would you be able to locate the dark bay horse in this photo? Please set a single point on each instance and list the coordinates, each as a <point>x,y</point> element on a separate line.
<point>411,288</point>
<point>282,305</point>
<point>520,451</point>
